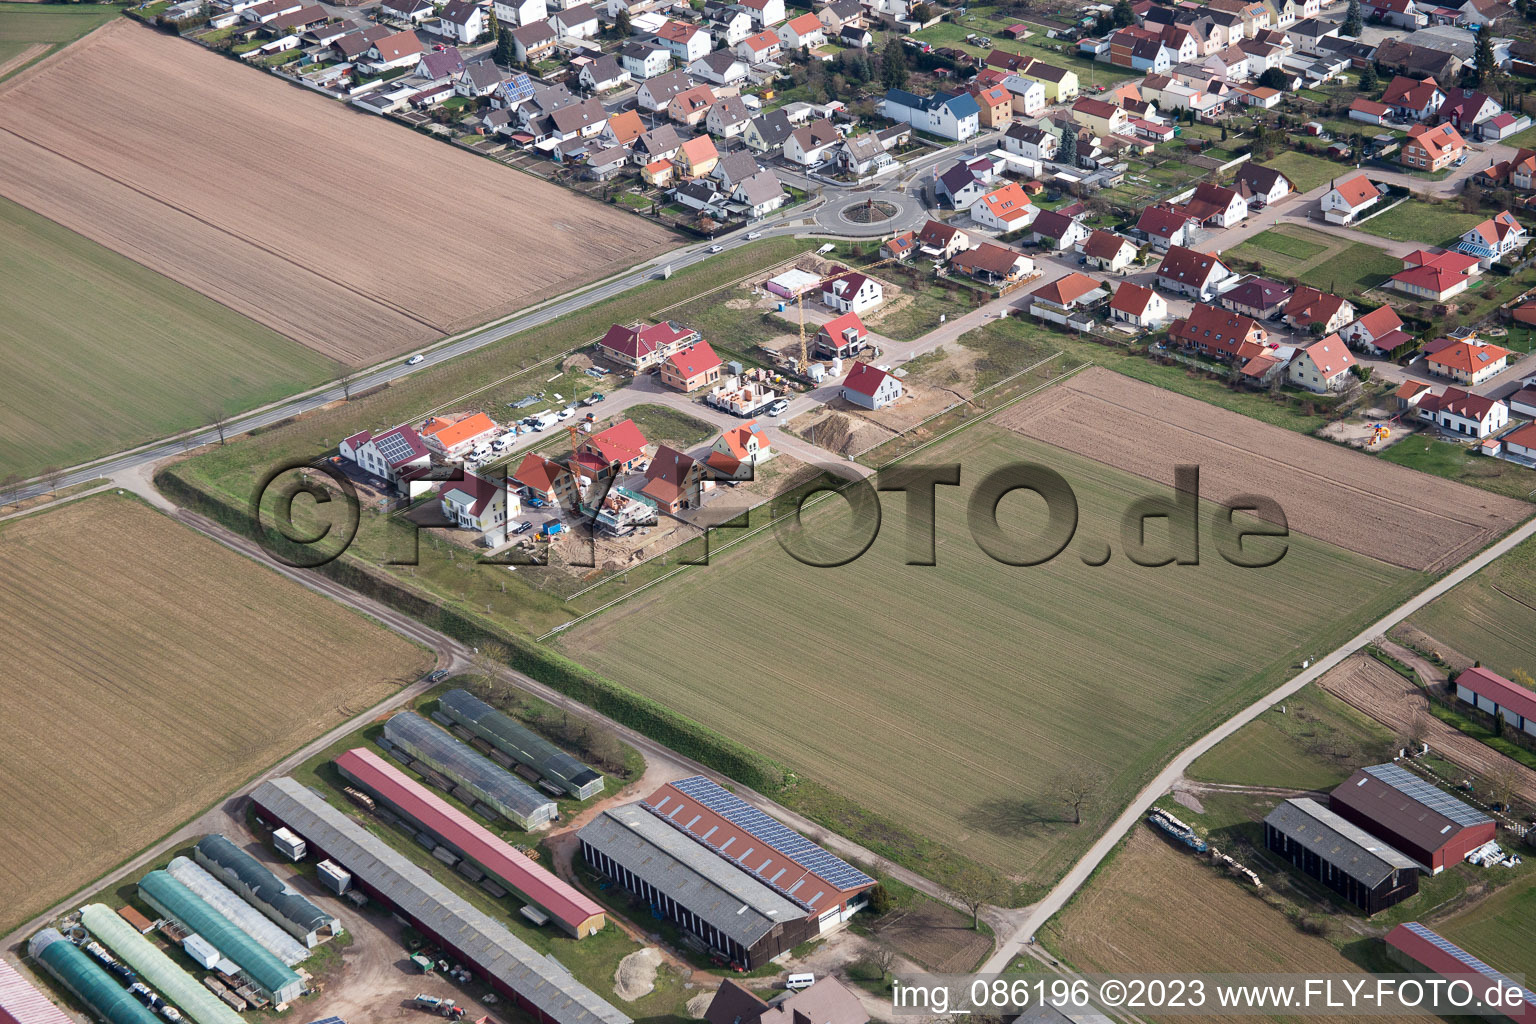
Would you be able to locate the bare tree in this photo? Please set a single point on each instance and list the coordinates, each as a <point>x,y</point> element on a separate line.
<point>1076,790</point>
<point>10,490</point>
<point>53,476</point>
<point>218,419</point>
<point>345,380</point>
<point>604,747</point>
<point>883,957</point>
<point>1504,780</point>
<point>1416,730</point>
<point>487,664</point>
<point>976,888</point>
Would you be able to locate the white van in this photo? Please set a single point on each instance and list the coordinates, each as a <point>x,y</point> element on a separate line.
<point>795,982</point>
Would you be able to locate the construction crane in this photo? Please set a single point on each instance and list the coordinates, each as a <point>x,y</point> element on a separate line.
<point>804,365</point>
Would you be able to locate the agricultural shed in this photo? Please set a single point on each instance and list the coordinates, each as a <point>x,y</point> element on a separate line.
<point>576,913</point>
<point>683,879</point>
<point>791,864</point>
<point>1488,691</point>
<point>490,783</point>
<point>285,905</point>
<point>1415,946</point>
<point>86,981</point>
<point>237,912</point>
<point>267,973</point>
<point>22,1003</point>
<point>158,970</point>
<point>1347,859</point>
<point>521,744</point>
<point>532,982</point>
<point>1424,821</point>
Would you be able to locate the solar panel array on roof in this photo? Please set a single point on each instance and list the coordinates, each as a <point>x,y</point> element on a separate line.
<point>498,788</point>
<point>1433,797</point>
<point>1462,956</point>
<point>781,837</point>
<point>394,447</point>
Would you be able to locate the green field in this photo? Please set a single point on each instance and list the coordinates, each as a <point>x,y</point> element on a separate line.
<point>1499,930</point>
<point>102,354</point>
<point>1415,221</point>
<point>1287,244</point>
<point>951,698</point>
<point>1358,268</point>
<point>1305,171</point>
<point>23,26</point>
<point>1492,617</point>
<point>1323,261</point>
<point>1458,462</point>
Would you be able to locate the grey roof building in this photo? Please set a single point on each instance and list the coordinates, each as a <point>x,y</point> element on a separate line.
<point>480,778</point>
<point>694,886</point>
<point>520,743</point>
<point>533,982</point>
<point>1344,857</point>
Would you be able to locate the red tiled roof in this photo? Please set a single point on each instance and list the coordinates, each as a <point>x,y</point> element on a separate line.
<point>1131,298</point>
<point>452,433</point>
<point>619,443</point>
<point>481,491</point>
<point>1330,354</point>
<point>1187,266</point>
<point>1161,222</point>
<point>1381,320</point>
<point>864,379</point>
<point>1066,290</point>
<point>833,329</point>
<point>1467,356</point>
<point>1104,245</point>
<point>537,472</point>
<point>1356,190</point>
<point>1216,329</point>
<point>695,359</point>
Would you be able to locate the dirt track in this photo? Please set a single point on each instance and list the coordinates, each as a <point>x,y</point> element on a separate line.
<point>1366,684</point>
<point>1343,497</point>
<point>356,237</point>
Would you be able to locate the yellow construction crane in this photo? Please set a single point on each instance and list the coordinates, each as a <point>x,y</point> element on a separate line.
<point>804,365</point>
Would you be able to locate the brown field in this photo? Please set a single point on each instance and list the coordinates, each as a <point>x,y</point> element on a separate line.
<point>1369,686</point>
<point>149,671</point>
<point>1328,492</point>
<point>935,936</point>
<point>1155,910</point>
<point>351,235</point>
<point>31,52</point>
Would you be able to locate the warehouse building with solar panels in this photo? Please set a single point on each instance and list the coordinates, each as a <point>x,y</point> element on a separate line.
<point>534,983</point>
<point>157,970</point>
<point>22,1003</point>
<point>1423,821</point>
<point>572,911</point>
<point>84,979</point>
<point>1364,870</point>
<point>1415,947</point>
<point>830,889</point>
<point>473,776</point>
<point>263,971</point>
<point>284,905</point>
<point>520,744</point>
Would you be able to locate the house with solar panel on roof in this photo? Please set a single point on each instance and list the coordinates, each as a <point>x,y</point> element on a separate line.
<point>746,886</point>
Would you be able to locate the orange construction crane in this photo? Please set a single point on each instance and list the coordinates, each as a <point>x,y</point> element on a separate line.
<point>805,363</point>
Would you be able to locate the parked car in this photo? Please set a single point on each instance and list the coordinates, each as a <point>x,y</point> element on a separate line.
<point>535,502</point>
<point>523,526</point>
<point>418,357</point>
<point>777,408</point>
<point>563,414</point>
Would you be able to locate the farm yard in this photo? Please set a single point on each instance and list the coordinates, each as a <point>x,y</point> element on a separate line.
<point>1492,617</point>
<point>150,673</point>
<point>357,264</point>
<point>1409,520</point>
<point>95,340</point>
<point>1096,638</point>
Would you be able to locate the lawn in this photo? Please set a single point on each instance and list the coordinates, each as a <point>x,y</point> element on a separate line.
<point>1357,269</point>
<point>1457,462</point>
<point>38,29</point>
<point>1287,244</point>
<point>103,354</point>
<point>661,423</point>
<point>168,670</point>
<point>1416,221</point>
<point>1492,617</point>
<point>987,683</point>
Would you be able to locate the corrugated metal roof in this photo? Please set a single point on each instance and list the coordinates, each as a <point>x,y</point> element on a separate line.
<point>222,857</point>
<point>158,970</point>
<point>21,1003</point>
<point>1347,847</point>
<point>488,944</point>
<point>1411,808</point>
<point>516,740</point>
<point>266,971</point>
<point>471,839</point>
<point>489,781</point>
<point>90,984</point>
<point>1446,958</point>
<point>695,876</point>
<point>238,912</point>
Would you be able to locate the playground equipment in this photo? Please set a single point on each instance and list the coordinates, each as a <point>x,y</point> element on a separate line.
<point>1379,432</point>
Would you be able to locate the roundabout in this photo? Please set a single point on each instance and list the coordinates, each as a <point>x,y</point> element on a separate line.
<point>870,214</point>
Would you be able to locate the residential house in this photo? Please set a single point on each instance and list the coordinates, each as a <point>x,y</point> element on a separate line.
<point>544,479</point>
<point>1348,199</point>
<point>849,291</point>
<point>1005,209</point>
<point>1377,333</point>
<point>392,455</point>
<point>1059,300</point>
<point>1138,306</point>
<point>655,94</point>
<point>768,132</point>
<point>699,194</point>
<point>1435,275</point>
<point>1214,206</point>
<point>1056,230</point>
<point>1218,333</point>
<point>623,128</point>
<point>684,41</point>
<point>462,20</point>
<point>452,436</point>
<point>582,120</point>
<point>1321,365</point>
<point>764,13</point>
<point>736,451</point>
<point>941,241</point>
<point>616,450</point>
<point>1027,94</point>
<point>479,79</point>
<point>1099,117</point>
<point>760,194</point>
<point>516,13</point>
<point>1255,15</point>
<point>1461,412</point>
<point>1060,84</point>
<point>604,74</point>
<point>869,387</point>
<point>641,347</point>
<point>1312,310</point>
<point>1190,272</point>
<point>415,12</point>
<point>696,157</point>
<point>1418,62</point>
<point>398,50</point>
<point>440,67</point>
<point>674,481</point>
<point>1432,149</point>
<point>578,22</point>
<point>1256,297</point>
<point>531,42</point>
<point>1493,239</point>
<point>1031,142</point>
<point>840,13</point>
<point>517,90</point>
<point>691,106</point>
<point>475,503</point>
<point>759,46</point>
<point>1165,227</point>
<point>811,145</point>
<point>1259,185</point>
<point>1401,13</point>
<point>719,68</point>
<point>842,337</point>
<point>733,167</point>
<point>993,264</point>
<point>730,25</point>
<point>804,32</point>
<point>605,163</point>
<point>1369,111</point>
<point>899,247</point>
<point>1106,250</point>
<point>644,60</point>
<point>862,155</point>
<point>1468,361</point>
<point>1468,108</point>
<point>728,118</point>
<point>948,115</point>
<point>691,368</point>
<point>961,186</point>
